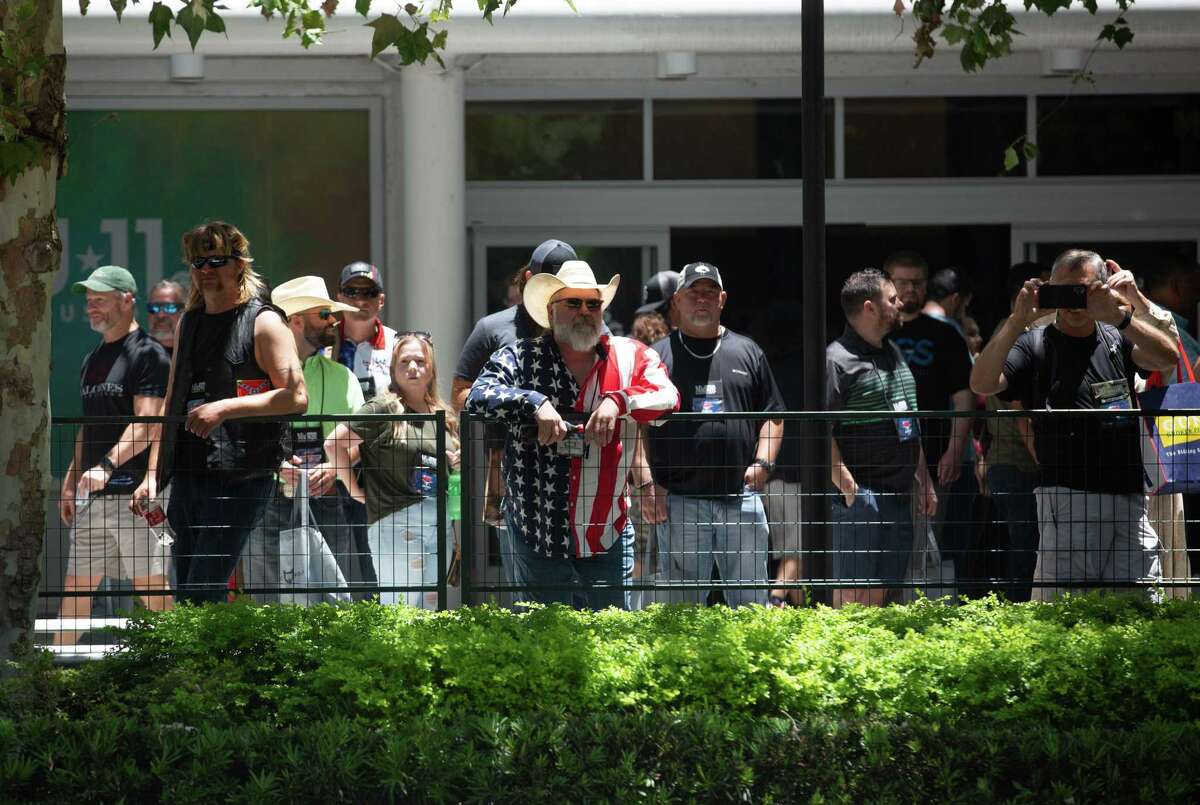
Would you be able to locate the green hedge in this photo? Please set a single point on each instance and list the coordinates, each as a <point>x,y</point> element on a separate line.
<point>987,701</point>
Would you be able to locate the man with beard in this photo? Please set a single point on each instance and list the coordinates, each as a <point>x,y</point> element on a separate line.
<point>163,312</point>
<point>332,389</point>
<point>877,462</point>
<point>940,363</point>
<point>570,401</point>
<point>234,372</point>
<point>125,376</point>
<point>713,471</point>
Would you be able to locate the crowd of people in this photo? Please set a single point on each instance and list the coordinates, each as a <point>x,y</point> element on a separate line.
<point>592,488</point>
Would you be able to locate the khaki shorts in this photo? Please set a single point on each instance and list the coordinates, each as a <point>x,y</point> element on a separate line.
<point>109,540</point>
<point>782,502</point>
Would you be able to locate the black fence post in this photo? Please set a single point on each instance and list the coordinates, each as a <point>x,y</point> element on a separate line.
<point>442,510</point>
<point>466,560</point>
<point>815,447</point>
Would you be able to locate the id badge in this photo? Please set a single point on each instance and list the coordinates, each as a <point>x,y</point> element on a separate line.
<point>906,426</point>
<point>308,446</point>
<point>573,446</point>
<point>424,481</point>
<point>708,405</point>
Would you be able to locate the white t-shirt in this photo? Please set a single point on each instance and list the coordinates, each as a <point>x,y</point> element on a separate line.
<point>370,360</point>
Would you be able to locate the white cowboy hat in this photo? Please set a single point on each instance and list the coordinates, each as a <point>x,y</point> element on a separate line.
<point>574,274</point>
<point>305,293</point>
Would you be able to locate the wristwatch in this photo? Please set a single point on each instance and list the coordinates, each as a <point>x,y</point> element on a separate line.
<point>1124,322</point>
<point>769,466</point>
<point>106,463</point>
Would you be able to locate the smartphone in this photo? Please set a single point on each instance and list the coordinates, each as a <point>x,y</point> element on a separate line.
<point>1062,296</point>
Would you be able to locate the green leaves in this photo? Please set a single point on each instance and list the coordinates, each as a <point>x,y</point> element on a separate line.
<point>388,30</point>
<point>984,29</point>
<point>192,23</point>
<point>160,20</point>
<point>119,7</point>
<point>1010,159</point>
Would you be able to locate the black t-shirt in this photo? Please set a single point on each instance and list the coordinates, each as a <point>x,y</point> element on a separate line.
<point>709,459</point>
<point>208,348</point>
<point>490,334</point>
<point>1047,366</point>
<point>940,362</point>
<point>111,376</point>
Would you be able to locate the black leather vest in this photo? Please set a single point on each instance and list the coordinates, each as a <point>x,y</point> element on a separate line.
<point>254,447</point>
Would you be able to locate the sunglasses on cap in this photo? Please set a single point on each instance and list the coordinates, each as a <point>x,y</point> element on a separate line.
<point>575,304</point>
<point>424,335</point>
<point>170,308</point>
<point>360,293</point>
<point>213,262</point>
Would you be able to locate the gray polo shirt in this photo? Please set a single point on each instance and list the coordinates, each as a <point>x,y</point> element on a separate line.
<point>880,452</point>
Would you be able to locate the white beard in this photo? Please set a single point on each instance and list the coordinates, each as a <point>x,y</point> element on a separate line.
<point>580,335</point>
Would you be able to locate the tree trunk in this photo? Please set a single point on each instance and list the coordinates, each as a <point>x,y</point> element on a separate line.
<point>29,255</point>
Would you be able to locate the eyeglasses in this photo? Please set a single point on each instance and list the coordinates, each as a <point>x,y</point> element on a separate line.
<point>326,314</point>
<point>169,308</point>
<point>422,334</point>
<point>361,293</point>
<point>575,304</point>
<point>214,262</point>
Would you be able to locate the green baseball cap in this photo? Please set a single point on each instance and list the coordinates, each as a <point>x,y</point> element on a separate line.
<point>107,278</point>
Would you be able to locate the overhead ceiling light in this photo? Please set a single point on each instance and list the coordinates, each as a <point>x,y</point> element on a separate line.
<point>186,66</point>
<point>675,64</point>
<point>1063,61</point>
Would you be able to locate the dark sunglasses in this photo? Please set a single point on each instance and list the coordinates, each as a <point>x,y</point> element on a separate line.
<point>326,314</point>
<point>422,334</point>
<point>575,304</point>
<point>170,308</point>
<point>360,293</point>
<point>214,262</point>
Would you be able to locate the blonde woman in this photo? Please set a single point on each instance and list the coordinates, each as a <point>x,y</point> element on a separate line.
<point>400,471</point>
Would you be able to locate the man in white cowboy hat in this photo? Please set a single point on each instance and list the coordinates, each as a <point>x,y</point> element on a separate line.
<point>312,316</point>
<point>570,401</point>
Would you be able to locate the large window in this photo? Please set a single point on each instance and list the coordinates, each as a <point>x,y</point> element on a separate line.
<point>554,140</point>
<point>745,138</point>
<point>930,137</point>
<point>1118,135</point>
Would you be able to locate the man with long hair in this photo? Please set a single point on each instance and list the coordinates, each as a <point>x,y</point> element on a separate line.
<point>234,359</point>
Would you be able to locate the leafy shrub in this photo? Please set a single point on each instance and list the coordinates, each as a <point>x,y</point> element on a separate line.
<point>1091,699</point>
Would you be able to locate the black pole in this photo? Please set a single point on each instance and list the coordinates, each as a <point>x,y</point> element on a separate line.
<point>812,160</point>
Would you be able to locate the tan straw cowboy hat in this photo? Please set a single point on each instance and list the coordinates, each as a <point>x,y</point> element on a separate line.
<point>574,274</point>
<point>305,293</point>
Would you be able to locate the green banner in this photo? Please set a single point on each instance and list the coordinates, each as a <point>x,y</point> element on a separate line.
<point>297,183</point>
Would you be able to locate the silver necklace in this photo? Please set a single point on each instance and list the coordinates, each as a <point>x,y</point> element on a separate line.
<point>716,349</point>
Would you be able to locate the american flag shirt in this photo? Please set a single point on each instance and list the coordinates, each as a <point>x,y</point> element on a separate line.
<point>569,507</point>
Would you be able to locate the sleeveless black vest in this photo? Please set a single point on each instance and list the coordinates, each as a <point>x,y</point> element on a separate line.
<point>257,447</point>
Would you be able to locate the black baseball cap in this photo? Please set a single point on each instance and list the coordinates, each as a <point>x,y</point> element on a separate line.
<point>694,272</point>
<point>361,269</point>
<point>657,292</point>
<point>550,256</point>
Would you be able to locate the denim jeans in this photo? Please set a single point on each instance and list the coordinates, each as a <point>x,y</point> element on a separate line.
<point>872,538</point>
<point>1016,506</point>
<point>600,580</point>
<point>729,532</point>
<point>212,518</point>
<point>404,548</point>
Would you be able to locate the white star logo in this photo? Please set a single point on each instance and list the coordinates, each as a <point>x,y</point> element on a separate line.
<point>89,260</point>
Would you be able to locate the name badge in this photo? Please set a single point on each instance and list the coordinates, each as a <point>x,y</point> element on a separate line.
<point>906,426</point>
<point>573,446</point>
<point>308,446</point>
<point>708,405</point>
<point>424,481</point>
<point>1113,395</point>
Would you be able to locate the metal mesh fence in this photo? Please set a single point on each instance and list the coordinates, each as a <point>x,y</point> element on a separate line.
<point>1037,504</point>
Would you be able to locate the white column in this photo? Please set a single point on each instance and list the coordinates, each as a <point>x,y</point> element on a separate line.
<point>435,286</point>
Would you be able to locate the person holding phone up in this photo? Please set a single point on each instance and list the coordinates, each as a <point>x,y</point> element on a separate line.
<point>1091,504</point>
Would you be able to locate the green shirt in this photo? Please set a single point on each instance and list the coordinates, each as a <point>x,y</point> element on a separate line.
<point>391,452</point>
<point>332,389</point>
